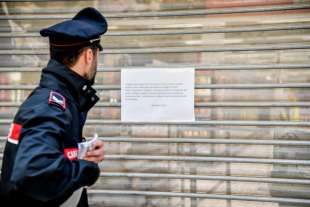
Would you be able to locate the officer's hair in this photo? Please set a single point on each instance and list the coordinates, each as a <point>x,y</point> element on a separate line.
<point>69,57</point>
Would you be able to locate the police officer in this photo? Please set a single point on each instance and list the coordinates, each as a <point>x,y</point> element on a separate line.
<point>40,163</point>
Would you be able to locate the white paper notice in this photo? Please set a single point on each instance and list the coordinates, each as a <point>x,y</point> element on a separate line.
<point>157,95</point>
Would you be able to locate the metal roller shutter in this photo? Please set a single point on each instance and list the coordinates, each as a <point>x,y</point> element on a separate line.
<point>249,145</point>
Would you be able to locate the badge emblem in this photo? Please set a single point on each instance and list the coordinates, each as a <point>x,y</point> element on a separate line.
<point>57,99</point>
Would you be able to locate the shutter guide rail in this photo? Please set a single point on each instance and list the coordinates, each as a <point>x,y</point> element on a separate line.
<point>207,177</point>
<point>201,195</point>
<point>196,12</point>
<point>197,67</point>
<point>201,140</point>
<point>208,104</point>
<point>176,31</point>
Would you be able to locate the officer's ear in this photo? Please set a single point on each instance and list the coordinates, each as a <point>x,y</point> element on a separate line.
<point>89,56</point>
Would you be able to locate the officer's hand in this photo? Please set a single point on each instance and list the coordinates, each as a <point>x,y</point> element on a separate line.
<point>97,153</point>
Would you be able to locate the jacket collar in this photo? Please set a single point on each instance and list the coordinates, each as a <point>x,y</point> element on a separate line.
<point>80,88</point>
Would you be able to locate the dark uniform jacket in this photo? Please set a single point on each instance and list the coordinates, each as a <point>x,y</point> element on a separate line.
<point>40,165</point>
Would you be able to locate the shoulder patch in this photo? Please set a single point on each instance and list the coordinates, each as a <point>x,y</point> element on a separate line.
<point>57,99</point>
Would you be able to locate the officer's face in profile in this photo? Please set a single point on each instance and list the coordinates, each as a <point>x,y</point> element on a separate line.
<point>93,68</point>
<point>91,63</point>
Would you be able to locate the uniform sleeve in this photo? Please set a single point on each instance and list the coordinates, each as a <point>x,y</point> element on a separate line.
<point>41,170</point>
